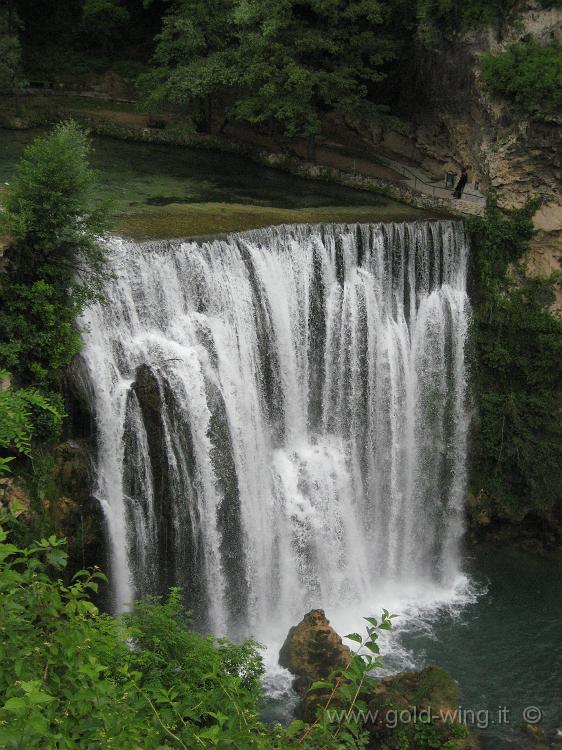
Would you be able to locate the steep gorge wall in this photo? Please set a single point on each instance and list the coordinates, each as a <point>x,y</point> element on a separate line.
<point>454,121</point>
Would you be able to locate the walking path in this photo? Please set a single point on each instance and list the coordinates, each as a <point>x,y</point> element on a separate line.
<point>418,180</point>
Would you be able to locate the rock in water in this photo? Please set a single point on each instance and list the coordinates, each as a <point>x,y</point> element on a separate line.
<point>312,650</point>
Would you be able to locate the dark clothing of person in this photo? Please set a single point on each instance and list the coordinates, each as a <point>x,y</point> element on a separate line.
<point>461,184</point>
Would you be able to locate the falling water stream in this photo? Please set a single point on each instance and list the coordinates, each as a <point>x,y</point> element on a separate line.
<point>281,420</point>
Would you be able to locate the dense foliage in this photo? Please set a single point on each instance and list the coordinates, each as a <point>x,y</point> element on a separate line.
<point>528,75</point>
<point>103,19</point>
<point>281,65</point>
<point>286,64</point>
<point>74,678</point>
<point>517,466</point>
<point>21,412</point>
<point>300,61</point>
<point>194,60</point>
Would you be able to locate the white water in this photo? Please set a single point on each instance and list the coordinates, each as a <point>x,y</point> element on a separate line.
<point>311,441</point>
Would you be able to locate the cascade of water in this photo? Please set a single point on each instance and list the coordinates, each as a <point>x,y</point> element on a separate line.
<point>281,416</point>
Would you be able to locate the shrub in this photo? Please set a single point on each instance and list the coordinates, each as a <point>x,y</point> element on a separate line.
<point>21,411</point>
<point>73,677</point>
<point>527,75</point>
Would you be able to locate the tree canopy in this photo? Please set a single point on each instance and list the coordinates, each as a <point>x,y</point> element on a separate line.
<point>285,63</point>
<point>194,60</point>
<point>301,60</point>
<point>102,19</point>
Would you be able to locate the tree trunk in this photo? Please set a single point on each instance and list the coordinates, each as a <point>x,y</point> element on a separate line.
<point>17,101</point>
<point>210,114</point>
<point>311,147</point>
<point>16,95</point>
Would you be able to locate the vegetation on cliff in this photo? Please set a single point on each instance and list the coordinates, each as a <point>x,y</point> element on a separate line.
<point>517,450</point>
<point>447,17</point>
<point>527,75</point>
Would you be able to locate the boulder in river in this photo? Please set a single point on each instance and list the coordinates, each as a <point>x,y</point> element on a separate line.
<point>312,650</point>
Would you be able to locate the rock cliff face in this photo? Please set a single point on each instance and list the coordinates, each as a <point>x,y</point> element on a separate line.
<point>518,157</point>
<point>459,123</point>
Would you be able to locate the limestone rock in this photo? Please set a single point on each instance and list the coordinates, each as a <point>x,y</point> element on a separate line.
<point>312,650</point>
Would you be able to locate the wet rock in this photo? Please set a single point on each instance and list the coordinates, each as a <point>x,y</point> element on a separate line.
<point>79,398</point>
<point>312,650</point>
<point>73,510</point>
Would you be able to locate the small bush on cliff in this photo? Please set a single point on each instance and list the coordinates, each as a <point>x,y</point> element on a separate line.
<point>21,412</point>
<point>438,18</point>
<point>517,457</point>
<point>528,75</point>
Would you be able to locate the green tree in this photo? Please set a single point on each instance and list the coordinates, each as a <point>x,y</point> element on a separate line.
<point>301,59</point>
<point>103,20</point>
<point>193,63</point>
<point>10,53</point>
<point>56,260</point>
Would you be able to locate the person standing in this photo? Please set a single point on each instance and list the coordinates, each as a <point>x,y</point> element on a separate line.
<point>461,184</point>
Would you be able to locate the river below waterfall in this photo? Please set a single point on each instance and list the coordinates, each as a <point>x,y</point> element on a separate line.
<point>504,647</point>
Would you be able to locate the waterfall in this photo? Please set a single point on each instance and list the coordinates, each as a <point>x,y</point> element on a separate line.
<point>281,417</point>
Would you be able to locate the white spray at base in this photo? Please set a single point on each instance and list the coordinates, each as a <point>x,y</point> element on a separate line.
<point>282,423</point>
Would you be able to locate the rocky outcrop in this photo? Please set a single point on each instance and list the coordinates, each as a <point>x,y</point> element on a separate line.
<point>72,509</point>
<point>532,737</point>
<point>79,399</point>
<point>57,499</point>
<point>14,495</point>
<point>411,709</point>
<point>312,650</point>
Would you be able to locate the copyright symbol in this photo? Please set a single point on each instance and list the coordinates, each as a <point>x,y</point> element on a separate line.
<point>532,714</point>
